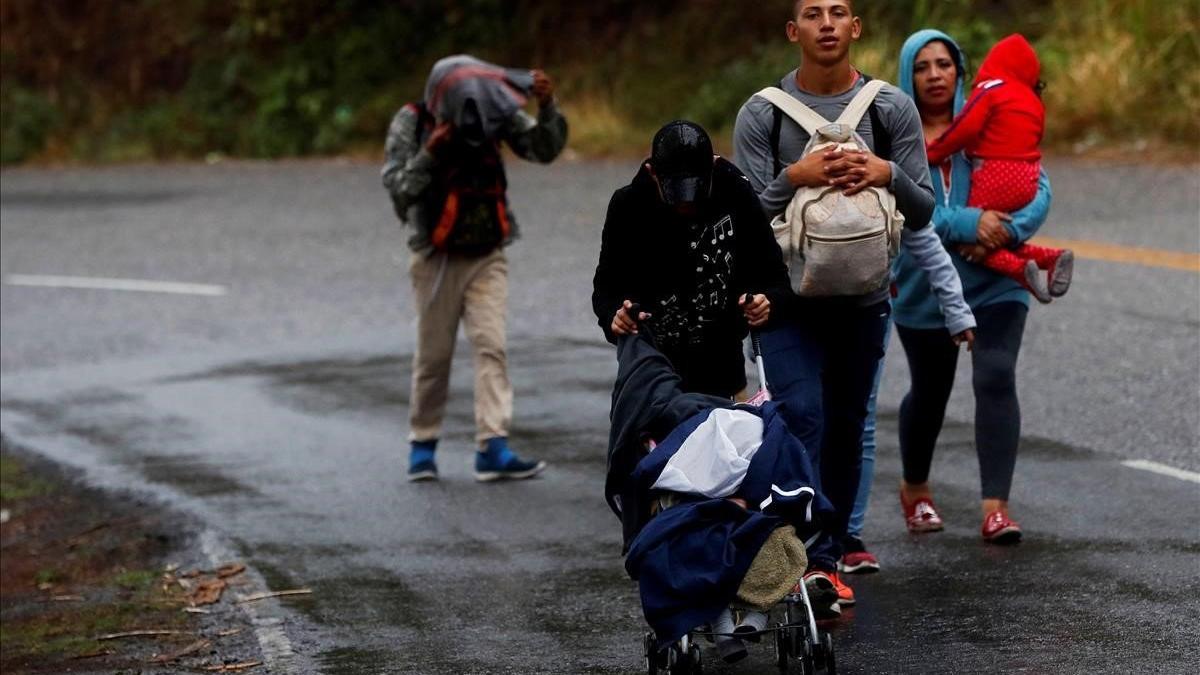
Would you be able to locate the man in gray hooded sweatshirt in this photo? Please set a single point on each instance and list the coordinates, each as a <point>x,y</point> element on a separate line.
<point>446,180</point>
<point>822,367</point>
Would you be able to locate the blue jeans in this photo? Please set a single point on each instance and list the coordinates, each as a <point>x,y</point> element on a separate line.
<point>821,368</point>
<point>854,529</point>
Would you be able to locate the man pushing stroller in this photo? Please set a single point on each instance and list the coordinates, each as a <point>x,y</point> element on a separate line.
<point>715,499</point>
<point>688,242</point>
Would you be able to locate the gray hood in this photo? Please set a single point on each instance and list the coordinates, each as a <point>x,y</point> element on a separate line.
<point>498,93</point>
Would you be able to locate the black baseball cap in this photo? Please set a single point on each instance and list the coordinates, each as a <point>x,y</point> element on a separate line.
<point>682,158</point>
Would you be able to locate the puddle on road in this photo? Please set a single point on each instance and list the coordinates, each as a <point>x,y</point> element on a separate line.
<point>369,598</point>
<point>190,474</point>
<point>581,446</point>
<point>379,385</point>
<point>577,603</point>
<point>116,424</point>
<point>327,385</point>
<point>381,382</point>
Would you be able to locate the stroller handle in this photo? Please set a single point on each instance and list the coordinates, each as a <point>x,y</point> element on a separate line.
<point>754,341</point>
<point>634,311</point>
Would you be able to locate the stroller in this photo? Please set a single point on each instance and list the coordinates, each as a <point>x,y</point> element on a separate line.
<point>658,434</point>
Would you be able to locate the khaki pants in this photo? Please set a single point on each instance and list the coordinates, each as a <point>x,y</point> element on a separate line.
<point>448,288</point>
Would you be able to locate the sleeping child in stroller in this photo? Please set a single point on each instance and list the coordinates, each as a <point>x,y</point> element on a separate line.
<point>715,516</point>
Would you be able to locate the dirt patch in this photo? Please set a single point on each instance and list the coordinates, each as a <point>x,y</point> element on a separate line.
<point>82,566</point>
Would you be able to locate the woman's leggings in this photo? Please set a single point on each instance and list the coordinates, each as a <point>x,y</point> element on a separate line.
<point>932,358</point>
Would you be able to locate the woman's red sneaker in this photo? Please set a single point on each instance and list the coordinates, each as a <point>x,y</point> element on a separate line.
<point>921,515</point>
<point>998,528</point>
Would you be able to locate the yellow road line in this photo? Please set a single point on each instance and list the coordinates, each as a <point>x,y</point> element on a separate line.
<point>1150,257</point>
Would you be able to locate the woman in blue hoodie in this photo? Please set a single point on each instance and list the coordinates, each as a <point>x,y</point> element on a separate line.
<point>932,71</point>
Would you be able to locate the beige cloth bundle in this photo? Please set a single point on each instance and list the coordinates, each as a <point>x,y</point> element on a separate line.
<point>778,566</point>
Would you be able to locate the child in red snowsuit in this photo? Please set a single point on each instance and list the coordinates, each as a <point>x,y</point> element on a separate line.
<point>1000,127</point>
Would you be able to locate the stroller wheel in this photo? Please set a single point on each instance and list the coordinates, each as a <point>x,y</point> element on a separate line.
<point>782,648</point>
<point>804,653</point>
<point>683,658</point>
<point>829,661</point>
<point>797,638</point>
<point>650,654</point>
<point>697,663</point>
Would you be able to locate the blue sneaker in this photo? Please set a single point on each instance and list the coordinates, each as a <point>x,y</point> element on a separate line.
<point>498,462</point>
<point>421,466</point>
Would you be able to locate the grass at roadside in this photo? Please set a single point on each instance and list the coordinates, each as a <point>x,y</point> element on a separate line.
<point>78,565</point>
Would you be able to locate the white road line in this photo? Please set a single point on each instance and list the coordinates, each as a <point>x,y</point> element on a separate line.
<point>1162,469</point>
<point>268,627</point>
<point>98,283</point>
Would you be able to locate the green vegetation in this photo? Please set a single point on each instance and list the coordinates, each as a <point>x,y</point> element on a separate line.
<point>275,78</point>
<point>136,580</point>
<point>72,632</point>
<point>48,576</point>
<point>16,484</point>
<point>77,565</point>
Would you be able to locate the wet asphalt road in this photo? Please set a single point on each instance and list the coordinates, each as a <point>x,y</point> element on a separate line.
<point>278,412</point>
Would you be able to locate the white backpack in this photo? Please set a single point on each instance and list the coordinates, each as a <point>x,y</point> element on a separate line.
<point>834,244</point>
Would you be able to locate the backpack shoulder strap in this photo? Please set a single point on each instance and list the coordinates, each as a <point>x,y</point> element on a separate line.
<point>802,114</point>
<point>424,117</point>
<point>776,130</point>
<point>880,134</point>
<point>858,105</point>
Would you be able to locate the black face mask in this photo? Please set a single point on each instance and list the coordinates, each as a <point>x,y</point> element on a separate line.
<point>469,127</point>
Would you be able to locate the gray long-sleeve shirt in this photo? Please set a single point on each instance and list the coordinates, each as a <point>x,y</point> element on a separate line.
<point>925,246</point>
<point>408,167</point>
<point>755,156</point>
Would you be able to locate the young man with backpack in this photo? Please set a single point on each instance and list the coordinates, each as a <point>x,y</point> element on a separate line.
<point>837,209</point>
<point>446,180</point>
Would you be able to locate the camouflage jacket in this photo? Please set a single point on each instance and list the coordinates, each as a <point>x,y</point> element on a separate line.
<point>408,169</point>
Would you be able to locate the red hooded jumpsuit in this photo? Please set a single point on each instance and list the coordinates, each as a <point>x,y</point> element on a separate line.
<point>1000,127</point>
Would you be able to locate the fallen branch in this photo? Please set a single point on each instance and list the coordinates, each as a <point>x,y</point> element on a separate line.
<point>139,633</point>
<point>179,653</point>
<point>233,666</point>
<point>273,594</point>
<point>227,633</point>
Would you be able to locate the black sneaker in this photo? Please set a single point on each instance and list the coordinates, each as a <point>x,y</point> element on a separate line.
<point>822,595</point>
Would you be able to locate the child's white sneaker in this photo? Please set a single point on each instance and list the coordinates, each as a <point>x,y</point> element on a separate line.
<point>730,648</point>
<point>752,625</point>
